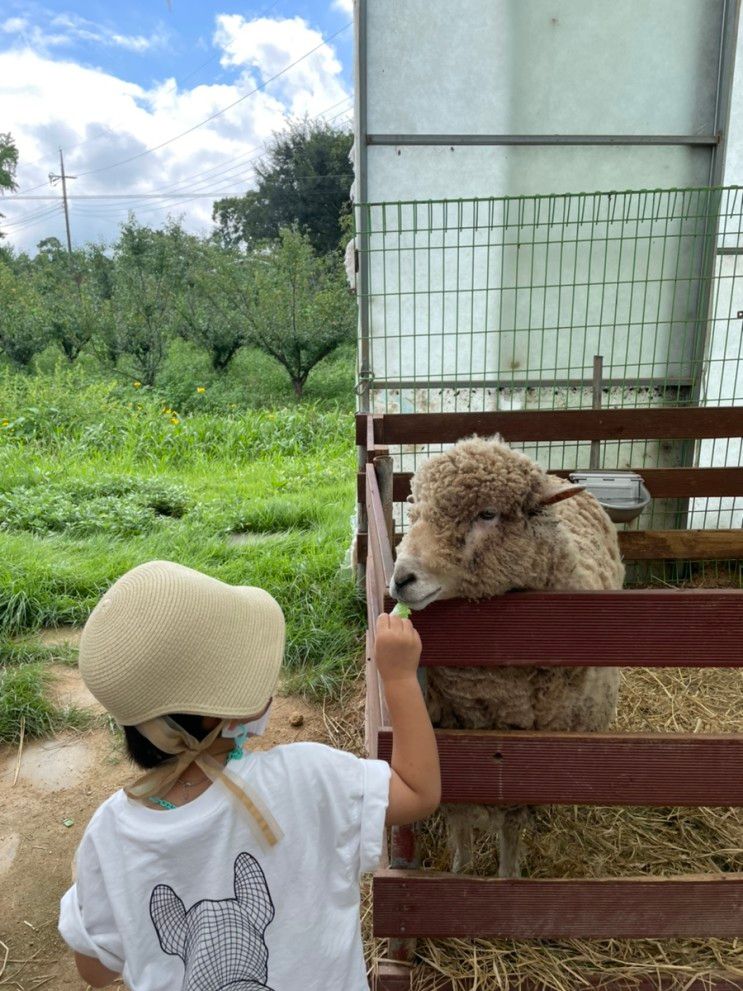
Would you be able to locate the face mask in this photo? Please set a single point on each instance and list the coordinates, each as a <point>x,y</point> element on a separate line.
<point>241,731</point>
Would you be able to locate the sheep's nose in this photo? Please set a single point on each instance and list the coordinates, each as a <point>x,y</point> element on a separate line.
<point>404,578</point>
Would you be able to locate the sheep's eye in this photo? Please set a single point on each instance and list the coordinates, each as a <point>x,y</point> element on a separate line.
<point>487,514</point>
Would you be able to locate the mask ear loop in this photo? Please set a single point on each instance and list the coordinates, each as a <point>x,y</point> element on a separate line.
<point>237,751</point>
<point>171,738</point>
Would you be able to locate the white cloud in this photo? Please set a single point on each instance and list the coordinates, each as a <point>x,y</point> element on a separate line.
<point>345,6</point>
<point>76,28</point>
<point>66,29</point>
<point>100,119</point>
<point>13,25</point>
<point>269,45</point>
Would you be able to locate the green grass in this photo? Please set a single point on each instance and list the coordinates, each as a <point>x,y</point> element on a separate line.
<point>117,506</point>
<point>24,702</point>
<point>26,650</point>
<point>188,383</point>
<point>95,478</point>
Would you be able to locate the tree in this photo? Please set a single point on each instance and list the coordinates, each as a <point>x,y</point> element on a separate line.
<point>303,310</point>
<point>215,301</point>
<point>8,162</point>
<point>8,165</point>
<point>21,336</point>
<point>305,181</point>
<point>150,268</point>
<point>71,310</point>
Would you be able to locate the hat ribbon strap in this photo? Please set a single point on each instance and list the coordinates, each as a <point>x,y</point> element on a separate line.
<point>265,828</point>
<point>168,736</point>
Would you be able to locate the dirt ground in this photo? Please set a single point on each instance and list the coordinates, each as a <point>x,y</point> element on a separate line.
<point>58,785</point>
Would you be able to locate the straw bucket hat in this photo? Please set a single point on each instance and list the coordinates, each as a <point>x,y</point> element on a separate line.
<point>166,639</point>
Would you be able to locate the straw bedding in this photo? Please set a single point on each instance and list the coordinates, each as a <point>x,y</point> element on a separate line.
<point>574,842</point>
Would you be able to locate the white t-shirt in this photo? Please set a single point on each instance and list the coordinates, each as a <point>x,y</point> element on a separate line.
<point>185,899</point>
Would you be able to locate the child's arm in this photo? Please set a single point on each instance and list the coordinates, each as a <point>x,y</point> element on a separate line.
<point>93,972</point>
<point>415,785</point>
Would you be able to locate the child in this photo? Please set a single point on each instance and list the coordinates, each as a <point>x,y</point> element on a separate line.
<point>219,870</point>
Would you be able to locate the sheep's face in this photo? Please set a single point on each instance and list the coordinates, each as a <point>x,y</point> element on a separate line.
<point>477,528</point>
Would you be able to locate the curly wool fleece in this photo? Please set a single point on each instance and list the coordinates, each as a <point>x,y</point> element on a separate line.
<point>538,532</point>
<point>569,545</point>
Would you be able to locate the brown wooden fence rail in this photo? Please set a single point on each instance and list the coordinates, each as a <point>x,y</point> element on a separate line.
<point>649,628</point>
<point>682,423</point>
<point>374,433</point>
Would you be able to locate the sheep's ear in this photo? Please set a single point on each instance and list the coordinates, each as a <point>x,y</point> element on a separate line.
<point>551,490</point>
<point>567,492</point>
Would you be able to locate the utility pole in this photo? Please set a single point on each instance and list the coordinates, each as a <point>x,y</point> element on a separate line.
<point>55,178</point>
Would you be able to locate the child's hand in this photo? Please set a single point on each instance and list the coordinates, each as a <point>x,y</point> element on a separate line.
<point>397,648</point>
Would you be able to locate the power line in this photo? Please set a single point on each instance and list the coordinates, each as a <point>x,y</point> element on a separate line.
<point>261,149</point>
<point>244,158</point>
<point>176,84</point>
<point>218,113</point>
<point>30,220</point>
<point>158,196</point>
<point>234,171</point>
<point>170,200</point>
<point>29,217</point>
<point>256,17</point>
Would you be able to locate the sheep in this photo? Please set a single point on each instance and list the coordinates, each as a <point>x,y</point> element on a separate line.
<point>485,520</point>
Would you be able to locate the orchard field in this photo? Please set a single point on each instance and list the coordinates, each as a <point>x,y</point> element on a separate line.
<point>221,473</point>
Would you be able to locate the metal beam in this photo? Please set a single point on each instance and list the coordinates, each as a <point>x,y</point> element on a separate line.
<point>361,215</point>
<point>452,140</point>
<point>531,383</point>
<point>724,88</point>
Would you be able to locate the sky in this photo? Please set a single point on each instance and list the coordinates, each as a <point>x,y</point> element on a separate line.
<point>111,83</point>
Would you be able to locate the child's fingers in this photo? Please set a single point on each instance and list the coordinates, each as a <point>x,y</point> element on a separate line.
<point>383,621</point>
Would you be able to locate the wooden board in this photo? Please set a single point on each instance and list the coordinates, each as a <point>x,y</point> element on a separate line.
<point>392,976</point>
<point>527,768</point>
<point>659,545</point>
<point>662,483</point>
<point>556,425</point>
<point>372,708</point>
<point>374,595</point>
<point>379,542</point>
<point>428,903</point>
<point>396,977</point>
<point>630,628</point>
<point>686,483</point>
<point>693,545</point>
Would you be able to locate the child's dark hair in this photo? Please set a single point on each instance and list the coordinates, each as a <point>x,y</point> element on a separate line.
<point>146,754</point>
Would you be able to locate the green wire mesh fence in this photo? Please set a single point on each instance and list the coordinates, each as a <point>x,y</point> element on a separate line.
<point>504,303</point>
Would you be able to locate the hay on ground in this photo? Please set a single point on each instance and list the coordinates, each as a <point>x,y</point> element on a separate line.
<point>588,842</point>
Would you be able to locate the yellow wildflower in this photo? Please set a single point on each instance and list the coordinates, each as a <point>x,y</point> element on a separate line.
<point>200,388</point>
<point>6,422</point>
<point>137,385</point>
<point>174,420</point>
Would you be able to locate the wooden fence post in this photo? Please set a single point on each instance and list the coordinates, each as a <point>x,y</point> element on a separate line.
<point>403,846</point>
<point>362,524</point>
<point>384,467</point>
<point>403,855</point>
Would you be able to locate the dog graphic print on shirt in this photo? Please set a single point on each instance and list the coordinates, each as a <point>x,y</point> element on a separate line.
<point>221,943</point>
